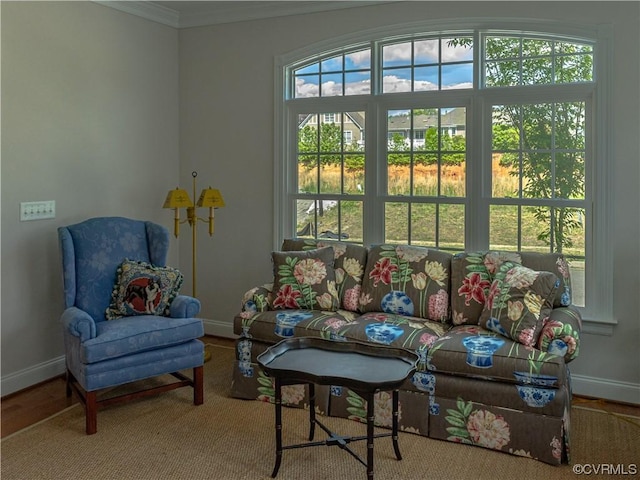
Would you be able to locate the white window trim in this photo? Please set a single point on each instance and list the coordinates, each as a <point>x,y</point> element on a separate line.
<point>598,317</point>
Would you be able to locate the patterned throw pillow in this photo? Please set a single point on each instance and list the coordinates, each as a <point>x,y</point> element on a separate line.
<point>407,280</point>
<point>143,289</point>
<point>350,260</point>
<point>518,302</point>
<point>305,280</point>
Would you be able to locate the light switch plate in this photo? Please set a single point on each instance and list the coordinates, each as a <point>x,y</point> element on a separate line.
<point>37,210</point>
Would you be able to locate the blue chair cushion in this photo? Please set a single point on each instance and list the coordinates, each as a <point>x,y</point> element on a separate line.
<point>130,368</point>
<point>131,335</point>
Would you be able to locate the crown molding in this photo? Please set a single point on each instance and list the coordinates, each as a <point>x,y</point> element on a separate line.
<point>236,12</point>
<point>239,12</point>
<point>148,10</point>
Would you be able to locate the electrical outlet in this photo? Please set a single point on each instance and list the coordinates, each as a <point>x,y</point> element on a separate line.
<point>37,210</point>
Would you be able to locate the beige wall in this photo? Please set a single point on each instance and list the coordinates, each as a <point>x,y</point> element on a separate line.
<point>90,106</point>
<point>90,120</point>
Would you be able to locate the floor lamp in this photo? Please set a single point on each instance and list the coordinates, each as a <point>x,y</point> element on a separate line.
<point>209,198</point>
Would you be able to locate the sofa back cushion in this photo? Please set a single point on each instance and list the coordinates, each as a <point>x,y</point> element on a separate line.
<point>349,262</point>
<point>304,280</point>
<point>472,274</point>
<point>519,302</point>
<point>407,280</point>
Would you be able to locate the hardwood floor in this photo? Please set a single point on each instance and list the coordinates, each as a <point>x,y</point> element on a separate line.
<point>34,404</point>
<point>26,407</point>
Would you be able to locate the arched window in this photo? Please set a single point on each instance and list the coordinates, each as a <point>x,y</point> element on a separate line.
<point>466,139</point>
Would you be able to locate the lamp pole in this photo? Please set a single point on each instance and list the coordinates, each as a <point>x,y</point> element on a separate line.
<point>193,220</point>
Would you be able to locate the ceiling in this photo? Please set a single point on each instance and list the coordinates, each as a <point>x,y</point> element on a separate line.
<point>184,14</point>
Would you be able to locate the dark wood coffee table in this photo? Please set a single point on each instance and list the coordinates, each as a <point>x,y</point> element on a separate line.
<point>364,368</point>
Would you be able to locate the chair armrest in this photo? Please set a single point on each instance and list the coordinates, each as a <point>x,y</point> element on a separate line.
<point>258,299</point>
<point>561,333</point>
<point>184,306</point>
<point>79,323</point>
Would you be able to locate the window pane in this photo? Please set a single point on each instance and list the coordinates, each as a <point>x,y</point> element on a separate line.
<point>423,224</point>
<point>313,68</point>
<point>426,78</point>
<point>537,175</point>
<point>457,76</point>
<point>307,174</point>
<point>351,222</point>
<point>327,217</point>
<point>307,86</point>
<point>353,182</point>
<point>358,60</point>
<point>532,47</point>
<point>457,49</point>
<point>426,51</point>
<point>399,174</point>
<point>331,85</point>
<point>502,74</point>
<point>504,227</point>
<point>502,47</point>
<point>425,176</point>
<point>357,83</point>
<point>332,64</point>
<point>305,218</point>
<point>396,80</point>
<point>451,227</point>
<point>396,222</point>
<point>569,178</point>
<point>505,181</point>
<point>396,54</point>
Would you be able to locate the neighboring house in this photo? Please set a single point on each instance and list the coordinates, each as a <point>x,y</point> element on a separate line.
<point>353,124</point>
<point>452,123</point>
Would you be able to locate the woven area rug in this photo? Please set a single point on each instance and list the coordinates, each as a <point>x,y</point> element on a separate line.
<point>167,437</point>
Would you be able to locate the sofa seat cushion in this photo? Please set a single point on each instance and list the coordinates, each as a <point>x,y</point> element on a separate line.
<point>271,326</point>
<point>130,335</point>
<point>415,334</point>
<point>472,351</point>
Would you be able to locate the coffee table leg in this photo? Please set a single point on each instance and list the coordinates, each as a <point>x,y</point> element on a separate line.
<point>370,422</point>
<point>394,430</point>
<point>278,428</point>
<point>312,411</point>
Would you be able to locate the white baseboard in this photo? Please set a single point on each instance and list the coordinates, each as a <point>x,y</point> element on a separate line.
<point>607,389</point>
<point>218,328</point>
<point>31,376</point>
<point>582,385</point>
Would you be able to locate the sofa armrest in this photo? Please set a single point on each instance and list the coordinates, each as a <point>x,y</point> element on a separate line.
<point>561,333</point>
<point>79,323</point>
<point>256,300</point>
<point>184,306</point>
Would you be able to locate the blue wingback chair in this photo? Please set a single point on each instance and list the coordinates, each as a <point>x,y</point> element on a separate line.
<point>103,353</point>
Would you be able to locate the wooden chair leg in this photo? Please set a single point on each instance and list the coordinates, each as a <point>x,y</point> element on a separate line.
<point>198,385</point>
<point>68,378</point>
<point>91,410</point>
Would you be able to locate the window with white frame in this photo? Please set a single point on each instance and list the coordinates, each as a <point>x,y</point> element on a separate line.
<point>474,140</point>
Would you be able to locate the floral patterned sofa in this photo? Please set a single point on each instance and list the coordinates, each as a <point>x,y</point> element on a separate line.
<point>494,332</point>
